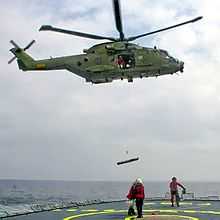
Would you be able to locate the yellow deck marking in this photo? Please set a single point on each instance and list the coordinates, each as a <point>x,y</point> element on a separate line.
<point>183,211</point>
<point>107,211</point>
<point>181,203</point>
<point>82,215</point>
<point>149,203</point>
<point>71,210</point>
<point>57,210</point>
<point>89,210</point>
<point>213,212</point>
<point>169,211</point>
<point>204,204</point>
<point>165,216</point>
<point>161,210</point>
<point>130,217</point>
<point>190,211</point>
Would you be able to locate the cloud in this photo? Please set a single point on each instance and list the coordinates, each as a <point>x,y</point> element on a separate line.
<point>55,126</point>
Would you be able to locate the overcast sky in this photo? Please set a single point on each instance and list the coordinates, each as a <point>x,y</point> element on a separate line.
<point>53,125</point>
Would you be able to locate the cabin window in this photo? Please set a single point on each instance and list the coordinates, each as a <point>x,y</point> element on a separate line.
<point>79,63</point>
<point>86,59</point>
<point>98,60</point>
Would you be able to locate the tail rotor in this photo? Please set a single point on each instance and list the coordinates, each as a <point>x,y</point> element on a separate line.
<point>11,60</point>
<point>29,45</point>
<point>17,48</point>
<point>14,44</point>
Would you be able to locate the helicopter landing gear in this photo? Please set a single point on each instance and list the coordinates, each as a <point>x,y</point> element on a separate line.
<point>157,74</point>
<point>130,79</point>
<point>108,80</point>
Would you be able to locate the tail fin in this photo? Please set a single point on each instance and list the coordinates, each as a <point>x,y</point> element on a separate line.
<point>24,60</point>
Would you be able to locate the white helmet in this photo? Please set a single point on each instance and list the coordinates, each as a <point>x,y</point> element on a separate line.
<point>139,180</point>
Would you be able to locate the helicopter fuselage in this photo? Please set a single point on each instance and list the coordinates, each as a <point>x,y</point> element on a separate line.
<point>106,62</point>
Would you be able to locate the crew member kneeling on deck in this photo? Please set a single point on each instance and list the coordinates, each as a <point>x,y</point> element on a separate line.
<point>137,192</point>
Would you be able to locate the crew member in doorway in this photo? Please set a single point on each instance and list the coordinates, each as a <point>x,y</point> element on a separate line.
<point>121,62</point>
<point>174,191</point>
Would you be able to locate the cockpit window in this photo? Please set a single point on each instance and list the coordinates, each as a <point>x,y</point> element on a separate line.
<point>168,57</point>
<point>172,59</point>
<point>164,52</point>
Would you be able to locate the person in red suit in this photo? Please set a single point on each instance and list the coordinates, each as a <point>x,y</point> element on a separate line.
<point>121,62</point>
<point>174,191</point>
<point>137,192</point>
<point>130,196</point>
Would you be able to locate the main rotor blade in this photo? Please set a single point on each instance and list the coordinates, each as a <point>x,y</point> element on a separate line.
<point>118,22</point>
<point>76,33</point>
<point>164,29</point>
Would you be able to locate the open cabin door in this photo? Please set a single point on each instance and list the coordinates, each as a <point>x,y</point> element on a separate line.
<point>125,60</point>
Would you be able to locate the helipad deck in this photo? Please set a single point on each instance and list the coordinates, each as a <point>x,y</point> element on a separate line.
<point>154,210</point>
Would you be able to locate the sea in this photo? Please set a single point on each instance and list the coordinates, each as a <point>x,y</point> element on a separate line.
<point>21,194</point>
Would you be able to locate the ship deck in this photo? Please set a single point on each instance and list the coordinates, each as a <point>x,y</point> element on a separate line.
<point>154,210</point>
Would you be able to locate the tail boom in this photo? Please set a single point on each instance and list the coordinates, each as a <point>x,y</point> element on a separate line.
<point>26,62</point>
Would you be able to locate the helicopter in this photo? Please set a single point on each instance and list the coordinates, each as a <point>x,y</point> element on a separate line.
<point>102,63</point>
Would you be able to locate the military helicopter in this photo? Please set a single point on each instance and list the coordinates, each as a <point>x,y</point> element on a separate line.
<point>105,62</point>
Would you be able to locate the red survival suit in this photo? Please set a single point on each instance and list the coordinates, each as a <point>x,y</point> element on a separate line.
<point>174,191</point>
<point>137,192</point>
